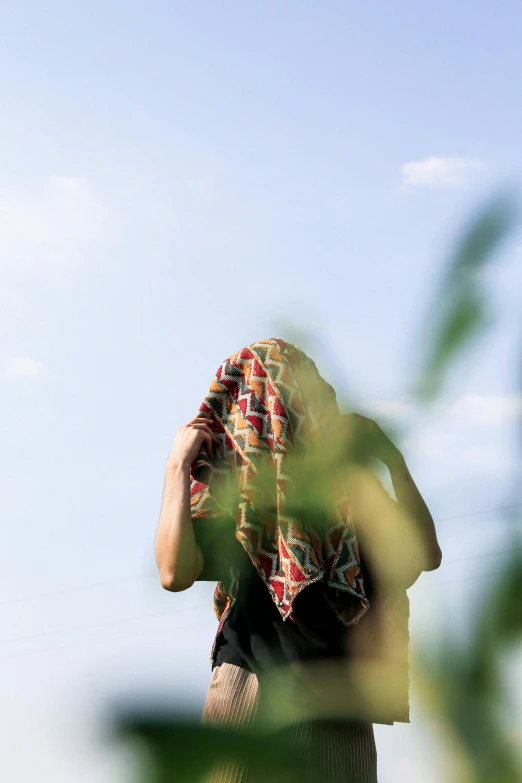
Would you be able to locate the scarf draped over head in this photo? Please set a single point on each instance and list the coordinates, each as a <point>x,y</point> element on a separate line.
<point>269,405</point>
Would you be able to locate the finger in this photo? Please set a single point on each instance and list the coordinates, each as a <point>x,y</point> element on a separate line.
<point>206,442</point>
<point>199,419</point>
<point>202,424</point>
<point>203,439</point>
<point>201,428</point>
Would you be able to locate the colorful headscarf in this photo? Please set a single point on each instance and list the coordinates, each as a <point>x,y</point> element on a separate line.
<point>269,405</point>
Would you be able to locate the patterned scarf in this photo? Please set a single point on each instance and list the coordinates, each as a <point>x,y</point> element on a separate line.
<point>269,407</point>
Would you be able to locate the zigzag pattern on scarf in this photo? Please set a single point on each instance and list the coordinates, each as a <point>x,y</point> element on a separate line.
<point>259,402</point>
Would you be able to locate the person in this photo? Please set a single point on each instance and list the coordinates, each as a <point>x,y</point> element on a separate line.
<point>300,582</point>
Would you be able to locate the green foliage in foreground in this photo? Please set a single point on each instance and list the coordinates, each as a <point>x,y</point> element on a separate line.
<point>461,682</point>
<point>184,750</point>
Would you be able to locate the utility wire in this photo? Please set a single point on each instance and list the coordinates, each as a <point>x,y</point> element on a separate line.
<point>460,579</point>
<point>108,622</point>
<point>167,629</point>
<point>475,513</point>
<point>89,642</point>
<point>150,575</point>
<point>78,588</point>
<point>431,584</point>
<point>474,557</point>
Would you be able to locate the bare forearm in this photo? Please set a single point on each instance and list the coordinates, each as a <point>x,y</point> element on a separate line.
<point>409,497</point>
<point>177,555</point>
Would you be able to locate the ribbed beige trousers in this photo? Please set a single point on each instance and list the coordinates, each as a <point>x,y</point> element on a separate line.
<point>338,751</point>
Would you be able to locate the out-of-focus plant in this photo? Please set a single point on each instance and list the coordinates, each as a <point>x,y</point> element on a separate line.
<point>461,682</point>
<point>185,751</point>
<point>460,310</point>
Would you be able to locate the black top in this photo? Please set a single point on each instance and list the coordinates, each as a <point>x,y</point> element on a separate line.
<point>254,636</point>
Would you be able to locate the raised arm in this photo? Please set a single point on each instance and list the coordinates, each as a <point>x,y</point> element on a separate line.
<point>409,497</point>
<point>179,560</point>
<point>399,536</point>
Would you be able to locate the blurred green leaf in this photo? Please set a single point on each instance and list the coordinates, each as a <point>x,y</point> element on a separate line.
<point>460,310</point>
<point>478,244</point>
<point>461,678</point>
<point>184,751</point>
<point>508,602</point>
<point>467,317</point>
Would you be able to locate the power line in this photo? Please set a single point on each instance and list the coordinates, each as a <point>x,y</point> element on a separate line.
<point>109,582</point>
<point>167,629</point>
<point>461,579</point>
<point>474,557</point>
<point>78,588</point>
<point>108,622</point>
<point>475,513</point>
<point>206,605</point>
<point>196,607</point>
<point>90,642</point>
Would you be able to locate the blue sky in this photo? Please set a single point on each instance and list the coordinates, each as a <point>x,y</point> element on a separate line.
<point>178,180</point>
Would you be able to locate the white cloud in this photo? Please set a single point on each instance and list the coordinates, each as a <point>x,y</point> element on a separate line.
<point>51,223</point>
<point>389,409</point>
<point>441,446</point>
<point>436,171</point>
<point>430,443</point>
<point>468,409</point>
<point>24,367</point>
<point>481,409</point>
<point>484,459</point>
<point>472,434</point>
